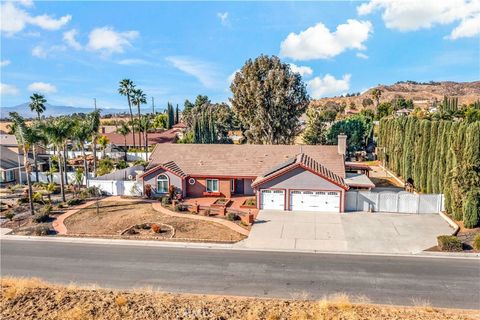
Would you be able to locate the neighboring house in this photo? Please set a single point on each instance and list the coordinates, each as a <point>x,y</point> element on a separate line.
<point>283,177</point>
<point>167,136</point>
<point>403,112</point>
<point>12,170</point>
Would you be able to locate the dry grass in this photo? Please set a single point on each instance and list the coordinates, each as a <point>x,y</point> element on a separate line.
<point>114,217</point>
<point>34,299</point>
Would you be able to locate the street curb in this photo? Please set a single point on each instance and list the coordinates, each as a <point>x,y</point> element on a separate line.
<point>221,246</point>
<point>452,223</point>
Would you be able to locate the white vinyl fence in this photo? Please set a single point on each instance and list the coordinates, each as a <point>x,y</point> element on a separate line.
<point>396,202</point>
<point>44,176</point>
<point>131,156</point>
<point>117,187</point>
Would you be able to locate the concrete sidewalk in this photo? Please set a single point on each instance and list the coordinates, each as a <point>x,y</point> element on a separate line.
<point>347,232</point>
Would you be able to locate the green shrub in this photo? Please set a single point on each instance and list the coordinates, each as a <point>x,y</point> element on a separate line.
<point>47,209</point>
<point>122,164</point>
<point>181,207</point>
<point>74,201</point>
<point>476,242</point>
<point>38,197</point>
<point>41,231</point>
<point>22,200</point>
<point>166,201</point>
<point>232,216</point>
<point>449,243</point>
<point>251,202</point>
<point>9,215</point>
<point>471,209</point>
<point>41,217</point>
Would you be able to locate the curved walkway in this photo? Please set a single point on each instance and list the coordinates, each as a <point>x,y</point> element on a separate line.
<point>59,225</point>
<point>158,207</point>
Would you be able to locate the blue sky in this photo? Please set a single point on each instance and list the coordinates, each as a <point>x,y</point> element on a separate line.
<point>75,51</point>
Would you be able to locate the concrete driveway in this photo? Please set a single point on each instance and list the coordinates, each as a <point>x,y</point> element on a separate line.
<point>346,232</point>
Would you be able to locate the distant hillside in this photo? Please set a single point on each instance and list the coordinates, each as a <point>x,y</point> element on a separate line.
<point>422,94</point>
<point>24,110</point>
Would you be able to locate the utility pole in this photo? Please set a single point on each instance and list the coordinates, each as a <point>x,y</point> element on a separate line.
<point>95,103</point>
<point>153,106</point>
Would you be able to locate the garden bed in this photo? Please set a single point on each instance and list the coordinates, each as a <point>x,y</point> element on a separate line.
<point>221,202</point>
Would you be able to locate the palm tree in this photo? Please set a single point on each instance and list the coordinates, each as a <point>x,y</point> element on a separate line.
<point>36,138</point>
<point>125,88</point>
<point>58,131</point>
<point>138,98</point>
<point>124,130</point>
<point>37,104</point>
<point>81,133</point>
<point>144,124</point>
<point>376,94</point>
<point>103,141</point>
<point>24,136</point>
<point>93,124</point>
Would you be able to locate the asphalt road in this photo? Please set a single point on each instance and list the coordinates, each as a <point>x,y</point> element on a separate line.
<point>392,280</point>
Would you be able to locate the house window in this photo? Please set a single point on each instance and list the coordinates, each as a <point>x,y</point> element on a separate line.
<point>212,185</point>
<point>162,184</point>
<point>232,185</point>
<point>9,176</point>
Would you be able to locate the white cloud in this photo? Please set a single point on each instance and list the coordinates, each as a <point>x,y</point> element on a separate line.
<point>328,86</point>
<point>131,62</point>
<point>48,23</point>
<point>410,15</point>
<point>15,19</point>
<point>361,55</point>
<point>303,70</point>
<point>203,71</point>
<point>42,87</point>
<point>70,38</point>
<point>318,42</point>
<point>467,28</point>
<point>5,63</point>
<point>8,89</point>
<point>108,41</point>
<point>42,52</point>
<point>39,52</point>
<point>223,16</point>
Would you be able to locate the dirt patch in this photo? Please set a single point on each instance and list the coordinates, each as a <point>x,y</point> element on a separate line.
<point>33,299</point>
<point>382,179</point>
<point>114,217</point>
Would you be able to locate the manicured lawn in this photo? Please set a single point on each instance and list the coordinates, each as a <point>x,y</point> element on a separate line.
<point>115,217</point>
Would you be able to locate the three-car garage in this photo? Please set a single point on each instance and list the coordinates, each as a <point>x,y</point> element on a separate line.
<point>300,200</point>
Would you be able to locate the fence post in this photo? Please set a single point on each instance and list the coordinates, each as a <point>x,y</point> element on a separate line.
<point>418,204</point>
<point>398,202</point>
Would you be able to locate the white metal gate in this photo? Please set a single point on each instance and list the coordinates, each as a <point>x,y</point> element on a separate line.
<point>397,202</point>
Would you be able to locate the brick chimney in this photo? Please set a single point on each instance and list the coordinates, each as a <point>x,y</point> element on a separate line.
<point>342,144</point>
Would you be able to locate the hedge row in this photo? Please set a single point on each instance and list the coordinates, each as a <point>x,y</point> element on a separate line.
<point>440,156</point>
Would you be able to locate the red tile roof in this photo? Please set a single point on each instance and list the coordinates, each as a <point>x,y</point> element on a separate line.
<point>245,160</point>
<point>307,162</point>
<point>168,136</point>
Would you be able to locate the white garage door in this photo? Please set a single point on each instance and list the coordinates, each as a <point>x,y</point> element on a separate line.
<point>273,199</point>
<point>320,201</point>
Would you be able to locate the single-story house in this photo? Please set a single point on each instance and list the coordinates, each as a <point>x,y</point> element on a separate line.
<point>282,177</point>
<point>12,170</point>
<point>167,136</point>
